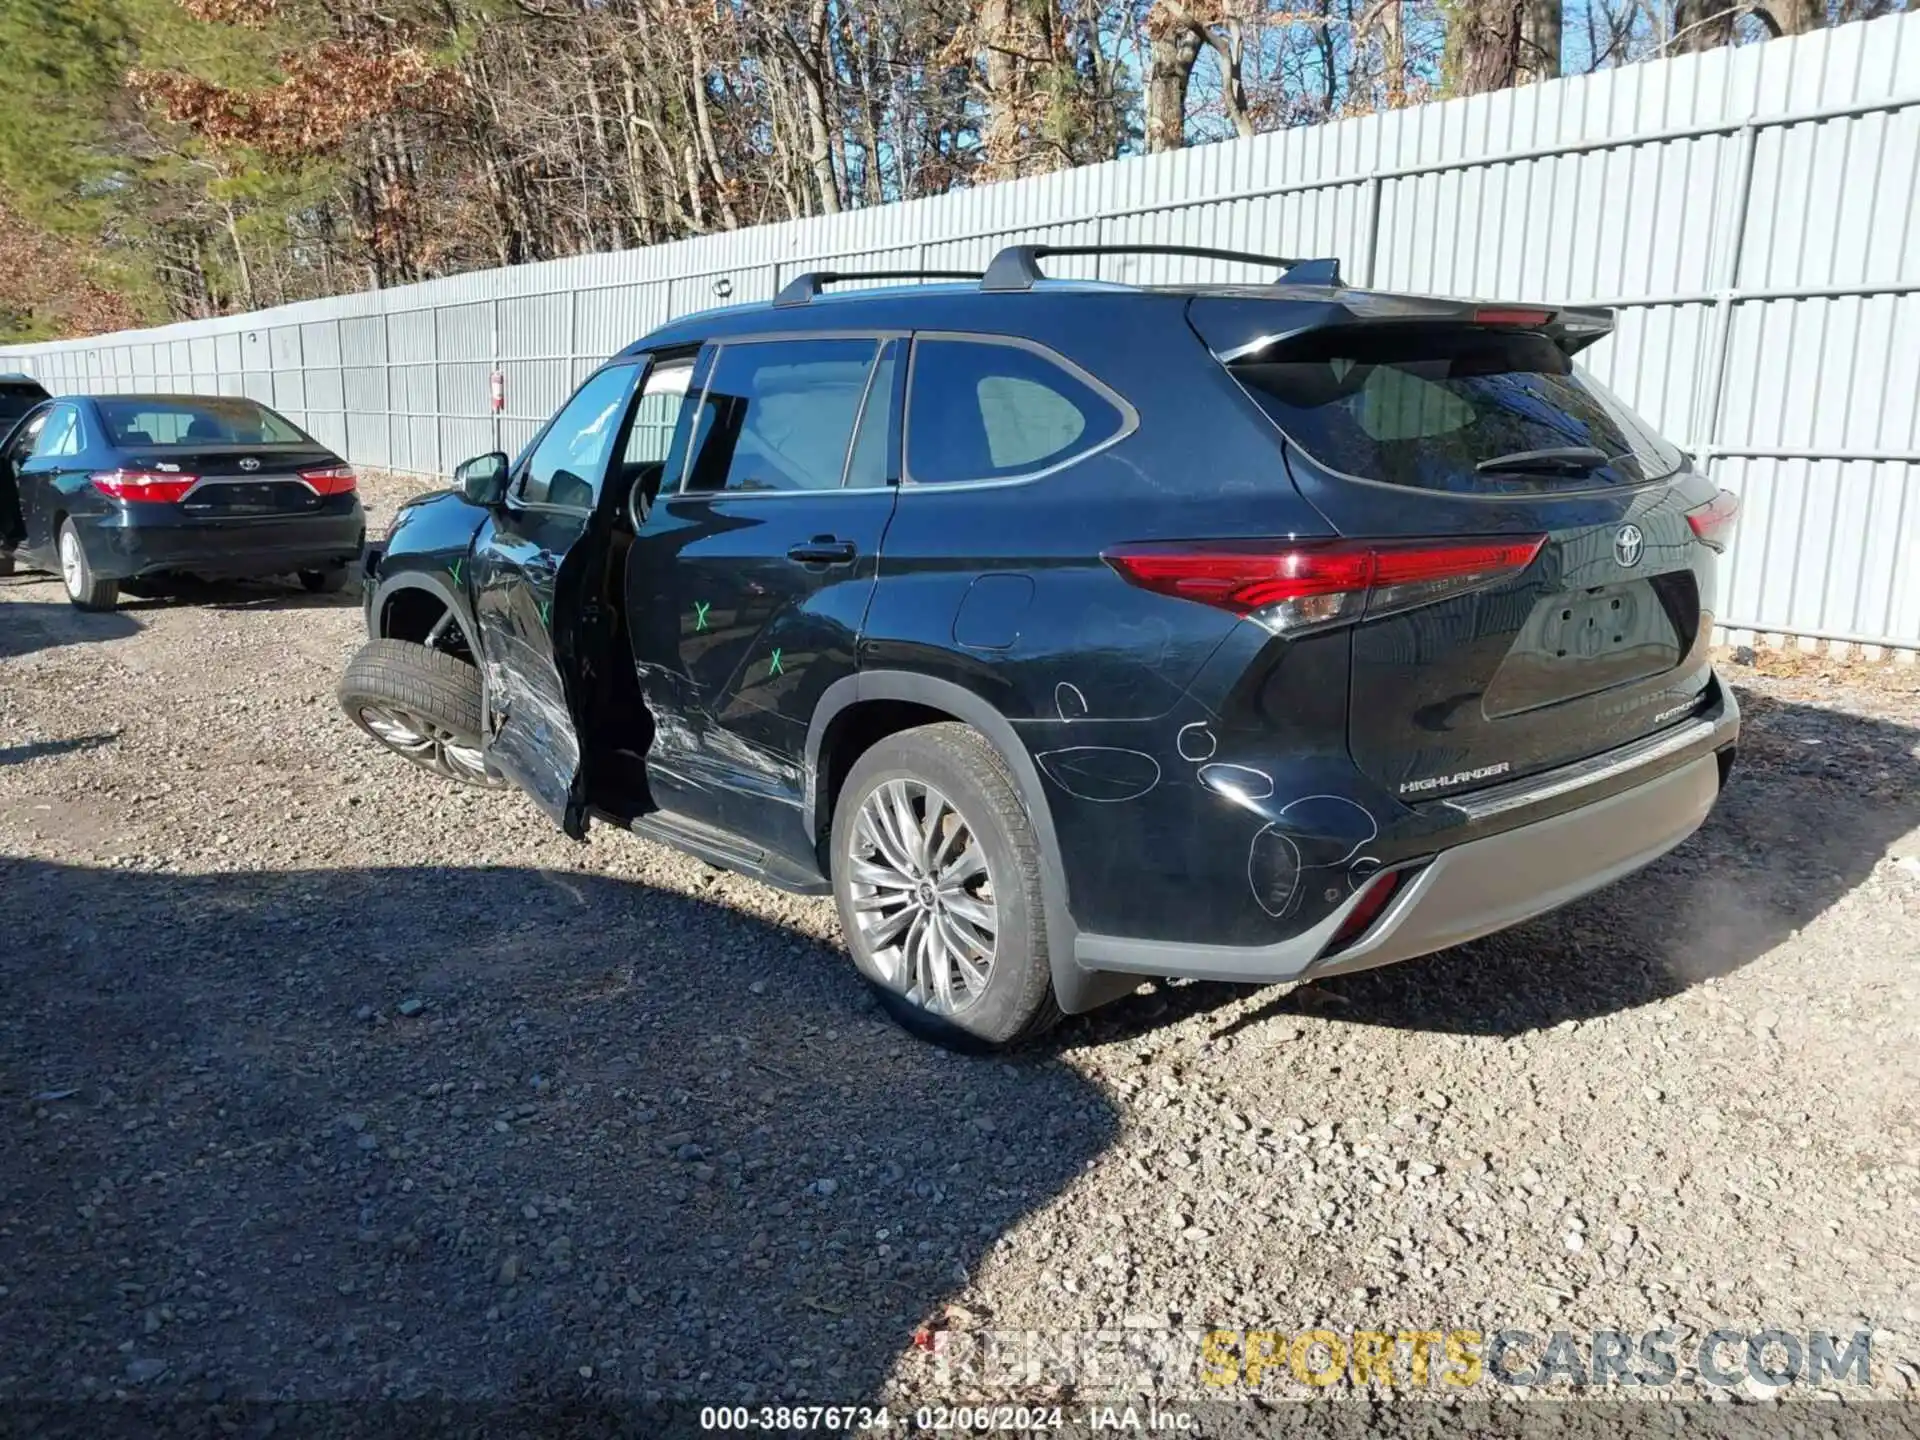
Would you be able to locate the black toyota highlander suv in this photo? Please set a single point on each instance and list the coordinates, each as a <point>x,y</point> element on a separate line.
<point>1073,632</point>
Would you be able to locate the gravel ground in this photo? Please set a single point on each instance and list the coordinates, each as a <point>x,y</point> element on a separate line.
<point>321,1079</point>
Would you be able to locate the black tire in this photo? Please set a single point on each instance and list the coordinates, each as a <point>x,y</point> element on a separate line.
<point>396,682</point>
<point>325,582</point>
<point>85,589</point>
<point>1017,1002</point>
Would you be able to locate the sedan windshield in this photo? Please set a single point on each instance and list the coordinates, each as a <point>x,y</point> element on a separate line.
<point>143,421</point>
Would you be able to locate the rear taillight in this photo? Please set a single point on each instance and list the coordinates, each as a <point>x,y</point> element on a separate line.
<point>1289,586</point>
<point>1713,521</point>
<point>145,485</point>
<point>331,480</point>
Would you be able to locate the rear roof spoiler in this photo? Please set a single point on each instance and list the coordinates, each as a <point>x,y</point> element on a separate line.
<point>1240,328</point>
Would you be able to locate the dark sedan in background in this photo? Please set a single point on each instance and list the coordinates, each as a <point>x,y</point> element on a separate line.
<point>120,487</point>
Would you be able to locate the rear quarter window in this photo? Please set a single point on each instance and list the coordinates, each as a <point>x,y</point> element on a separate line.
<point>990,410</point>
<point>1423,406</point>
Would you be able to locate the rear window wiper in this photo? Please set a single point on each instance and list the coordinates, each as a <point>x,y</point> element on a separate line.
<point>1557,459</point>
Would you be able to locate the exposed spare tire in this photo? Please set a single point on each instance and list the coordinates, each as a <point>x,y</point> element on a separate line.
<point>422,704</point>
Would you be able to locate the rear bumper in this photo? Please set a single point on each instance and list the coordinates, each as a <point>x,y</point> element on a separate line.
<point>124,547</point>
<point>1481,885</point>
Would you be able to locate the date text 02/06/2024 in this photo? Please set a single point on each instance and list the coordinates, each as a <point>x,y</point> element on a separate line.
<point>940,1419</point>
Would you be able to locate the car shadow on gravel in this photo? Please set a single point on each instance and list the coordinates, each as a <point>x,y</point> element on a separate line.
<point>479,1132</point>
<point>235,595</point>
<point>28,626</point>
<point>1816,799</point>
<point>47,749</point>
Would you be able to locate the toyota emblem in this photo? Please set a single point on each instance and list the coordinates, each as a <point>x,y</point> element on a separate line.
<point>249,464</point>
<point>1627,546</point>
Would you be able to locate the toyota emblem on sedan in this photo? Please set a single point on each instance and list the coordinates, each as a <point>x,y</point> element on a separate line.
<point>1627,546</point>
<point>251,464</point>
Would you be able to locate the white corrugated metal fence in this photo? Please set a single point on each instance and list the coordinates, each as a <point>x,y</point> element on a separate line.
<point>1754,213</point>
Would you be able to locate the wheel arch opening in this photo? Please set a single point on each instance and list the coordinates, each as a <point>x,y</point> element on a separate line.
<point>410,613</point>
<point>851,733</point>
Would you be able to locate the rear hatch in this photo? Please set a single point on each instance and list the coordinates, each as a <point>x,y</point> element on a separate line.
<point>1454,422</point>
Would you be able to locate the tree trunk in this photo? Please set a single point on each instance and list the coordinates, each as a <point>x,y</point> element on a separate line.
<point>239,257</point>
<point>1540,24</point>
<point>1701,25</point>
<point>1483,46</point>
<point>813,92</point>
<point>1002,135</point>
<point>1795,17</point>
<point>1173,45</point>
<point>1393,52</point>
<point>703,125</point>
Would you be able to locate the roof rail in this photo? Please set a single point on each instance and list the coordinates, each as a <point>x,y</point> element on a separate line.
<point>802,289</point>
<point>1015,267</point>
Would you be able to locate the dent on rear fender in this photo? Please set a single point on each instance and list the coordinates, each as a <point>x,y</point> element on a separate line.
<point>1190,827</point>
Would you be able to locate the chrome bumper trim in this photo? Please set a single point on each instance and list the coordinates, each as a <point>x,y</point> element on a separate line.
<point>1498,799</point>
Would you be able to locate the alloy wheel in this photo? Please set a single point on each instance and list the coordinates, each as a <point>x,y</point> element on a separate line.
<point>922,895</point>
<point>72,565</point>
<point>435,747</point>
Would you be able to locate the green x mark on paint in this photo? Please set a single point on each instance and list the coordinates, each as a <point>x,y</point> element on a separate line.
<point>546,610</point>
<point>774,668</point>
<point>456,568</point>
<point>700,608</point>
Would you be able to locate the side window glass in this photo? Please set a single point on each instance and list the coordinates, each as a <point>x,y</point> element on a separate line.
<point>60,435</point>
<point>570,461</point>
<point>870,462</point>
<point>778,415</point>
<point>651,434</point>
<point>979,410</point>
<point>27,440</point>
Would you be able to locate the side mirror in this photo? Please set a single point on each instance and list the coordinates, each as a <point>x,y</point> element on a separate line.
<point>483,479</point>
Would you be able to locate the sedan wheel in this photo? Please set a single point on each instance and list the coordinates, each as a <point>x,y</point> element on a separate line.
<point>73,569</point>
<point>84,588</point>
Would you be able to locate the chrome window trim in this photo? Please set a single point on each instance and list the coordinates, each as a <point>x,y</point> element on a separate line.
<point>1129,417</point>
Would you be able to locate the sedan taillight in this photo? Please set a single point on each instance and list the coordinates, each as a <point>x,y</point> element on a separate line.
<point>160,487</point>
<point>332,480</point>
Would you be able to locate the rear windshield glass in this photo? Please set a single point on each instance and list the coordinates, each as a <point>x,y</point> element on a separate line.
<point>16,399</point>
<point>1425,406</point>
<point>143,421</point>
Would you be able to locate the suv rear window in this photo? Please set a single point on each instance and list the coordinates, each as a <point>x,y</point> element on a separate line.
<point>150,421</point>
<point>16,399</point>
<point>1424,405</point>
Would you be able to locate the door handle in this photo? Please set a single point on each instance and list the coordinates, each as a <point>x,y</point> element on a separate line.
<point>823,550</point>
